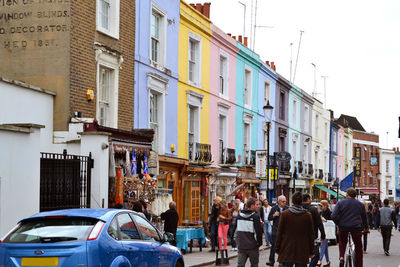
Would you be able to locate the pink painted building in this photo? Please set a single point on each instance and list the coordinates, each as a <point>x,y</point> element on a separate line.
<point>223,52</point>
<point>340,153</point>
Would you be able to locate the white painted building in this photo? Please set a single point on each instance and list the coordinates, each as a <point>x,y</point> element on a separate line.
<point>387,174</point>
<point>26,130</point>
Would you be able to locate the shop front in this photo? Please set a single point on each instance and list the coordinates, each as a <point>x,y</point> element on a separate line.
<point>316,192</point>
<point>223,184</point>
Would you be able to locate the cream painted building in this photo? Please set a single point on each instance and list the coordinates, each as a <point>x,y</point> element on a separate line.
<point>387,174</point>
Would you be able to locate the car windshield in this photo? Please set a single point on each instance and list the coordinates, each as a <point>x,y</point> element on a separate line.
<point>50,230</point>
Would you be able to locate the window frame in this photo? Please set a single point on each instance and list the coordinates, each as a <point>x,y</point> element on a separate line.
<point>162,14</point>
<point>105,60</point>
<point>113,18</point>
<point>225,74</point>
<point>248,83</point>
<point>193,38</point>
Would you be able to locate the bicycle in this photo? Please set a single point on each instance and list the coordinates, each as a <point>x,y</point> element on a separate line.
<point>350,257</point>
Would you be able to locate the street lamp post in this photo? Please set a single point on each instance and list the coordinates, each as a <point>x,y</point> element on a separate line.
<point>268,117</point>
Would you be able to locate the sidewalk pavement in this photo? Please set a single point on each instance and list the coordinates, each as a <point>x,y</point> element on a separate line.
<point>204,258</point>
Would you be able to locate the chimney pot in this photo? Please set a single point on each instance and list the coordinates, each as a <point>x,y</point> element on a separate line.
<point>199,7</point>
<point>234,37</point>
<point>206,9</point>
<point>245,41</point>
<point>240,39</point>
<point>267,62</point>
<point>229,34</point>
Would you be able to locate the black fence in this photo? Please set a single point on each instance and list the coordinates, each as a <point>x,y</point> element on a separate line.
<point>65,181</point>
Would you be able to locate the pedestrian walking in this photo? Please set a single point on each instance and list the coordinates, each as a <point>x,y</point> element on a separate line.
<point>224,218</point>
<point>213,222</point>
<point>375,215</point>
<point>234,213</point>
<point>264,211</point>
<point>295,238</point>
<point>274,216</point>
<point>325,216</point>
<point>368,210</point>
<point>171,218</point>
<point>248,234</point>
<point>350,216</point>
<point>387,216</point>
<point>317,225</point>
<point>397,212</point>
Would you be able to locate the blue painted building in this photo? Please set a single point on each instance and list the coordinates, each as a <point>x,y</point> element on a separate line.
<point>266,93</point>
<point>333,152</point>
<point>156,71</point>
<point>397,169</point>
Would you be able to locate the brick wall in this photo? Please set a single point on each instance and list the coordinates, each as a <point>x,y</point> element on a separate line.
<point>83,63</point>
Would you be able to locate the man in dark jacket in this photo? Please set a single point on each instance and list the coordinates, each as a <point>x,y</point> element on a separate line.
<point>171,219</point>
<point>274,216</point>
<point>387,216</point>
<point>295,239</point>
<point>248,234</point>
<point>317,222</point>
<point>213,223</point>
<point>350,216</point>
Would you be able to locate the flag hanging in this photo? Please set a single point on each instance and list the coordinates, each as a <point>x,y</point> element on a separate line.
<point>134,166</point>
<point>145,166</point>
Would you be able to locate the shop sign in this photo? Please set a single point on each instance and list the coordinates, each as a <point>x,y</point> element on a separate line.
<point>357,171</point>
<point>261,163</point>
<point>283,156</point>
<point>273,175</point>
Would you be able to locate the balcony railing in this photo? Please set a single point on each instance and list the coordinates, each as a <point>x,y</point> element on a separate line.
<point>310,169</point>
<point>249,157</point>
<point>227,155</point>
<point>299,165</point>
<point>200,153</point>
<point>284,166</point>
<point>321,174</point>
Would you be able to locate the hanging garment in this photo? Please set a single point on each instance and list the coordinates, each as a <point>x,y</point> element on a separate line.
<point>119,195</point>
<point>127,164</point>
<point>111,169</point>
<point>134,166</point>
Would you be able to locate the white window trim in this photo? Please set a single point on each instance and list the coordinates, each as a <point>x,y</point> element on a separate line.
<point>294,105</point>
<point>196,100</point>
<point>159,86</point>
<point>247,68</point>
<point>114,19</point>
<point>199,40</point>
<point>224,54</point>
<point>104,59</point>
<point>163,37</point>
<point>223,110</point>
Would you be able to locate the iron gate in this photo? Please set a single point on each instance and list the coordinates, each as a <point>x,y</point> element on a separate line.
<point>64,181</point>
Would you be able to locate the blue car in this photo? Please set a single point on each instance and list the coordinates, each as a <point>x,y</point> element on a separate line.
<point>88,237</point>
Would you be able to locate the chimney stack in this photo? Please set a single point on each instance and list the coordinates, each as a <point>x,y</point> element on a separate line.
<point>267,62</point>
<point>245,41</point>
<point>273,66</point>
<point>229,34</point>
<point>240,39</point>
<point>203,9</point>
<point>234,37</point>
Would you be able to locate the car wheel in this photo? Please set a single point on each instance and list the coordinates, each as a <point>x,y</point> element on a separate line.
<point>179,264</point>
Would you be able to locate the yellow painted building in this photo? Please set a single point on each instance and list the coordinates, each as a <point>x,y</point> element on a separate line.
<point>194,78</point>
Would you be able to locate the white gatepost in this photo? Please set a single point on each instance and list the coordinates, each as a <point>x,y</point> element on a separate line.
<point>97,144</point>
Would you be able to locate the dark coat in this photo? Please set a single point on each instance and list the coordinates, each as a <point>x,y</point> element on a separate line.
<point>214,213</point>
<point>171,218</point>
<point>318,225</point>
<point>295,239</point>
<point>275,219</point>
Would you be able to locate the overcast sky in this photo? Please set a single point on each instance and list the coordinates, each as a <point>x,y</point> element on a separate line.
<point>356,43</point>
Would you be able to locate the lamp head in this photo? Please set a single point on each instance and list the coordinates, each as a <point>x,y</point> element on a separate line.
<point>268,112</point>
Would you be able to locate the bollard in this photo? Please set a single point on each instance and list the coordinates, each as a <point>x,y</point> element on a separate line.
<point>224,260</point>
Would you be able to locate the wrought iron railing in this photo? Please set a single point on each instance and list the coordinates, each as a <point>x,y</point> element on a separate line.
<point>299,166</point>
<point>310,169</point>
<point>227,156</point>
<point>321,174</point>
<point>200,153</point>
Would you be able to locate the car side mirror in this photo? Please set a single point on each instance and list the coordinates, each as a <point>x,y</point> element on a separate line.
<point>169,237</point>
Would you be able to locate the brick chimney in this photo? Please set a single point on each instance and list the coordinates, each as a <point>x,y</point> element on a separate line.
<point>234,37</point>
<point>229,34</point>
<point>267,62</point>
<point>245,41</point>
<point>203,9</point>
<point>273,66</point>
<point>240,39</point>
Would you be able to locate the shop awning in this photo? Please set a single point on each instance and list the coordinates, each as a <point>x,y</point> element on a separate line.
<point>369,191</point>
<point>327,190</point>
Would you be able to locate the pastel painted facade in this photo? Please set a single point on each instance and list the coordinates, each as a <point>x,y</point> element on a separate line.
<point>348,151</point>
<point>306,136</point>
<point>156,71</point>
<point>332,177</point>
<point>387,176</point>
<point>294,117</point>
<point>266,94</point>
<point>194,79</point>
<point>317,152</point>
<point>340,154</point>
<point>223,53</point>
<point>397,173</point>
<point>247,98</point>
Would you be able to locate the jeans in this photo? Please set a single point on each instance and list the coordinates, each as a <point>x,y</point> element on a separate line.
<point>314,260</point>
<point>232,236</point>
<point>253,255</point>
<point>267,231</point>
<point>272,249</point>
<point>365,241</point>
<point>356,236</point>
<point>223,234</point>
<point>324,251</point>
<point>285,264</point>
<point>386,232</point>
<point>214,234</point>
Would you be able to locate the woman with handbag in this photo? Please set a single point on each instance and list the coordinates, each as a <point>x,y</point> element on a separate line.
<point>325,216</point>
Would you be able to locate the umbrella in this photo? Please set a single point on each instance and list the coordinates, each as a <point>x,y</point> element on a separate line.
<point>237,189</point>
